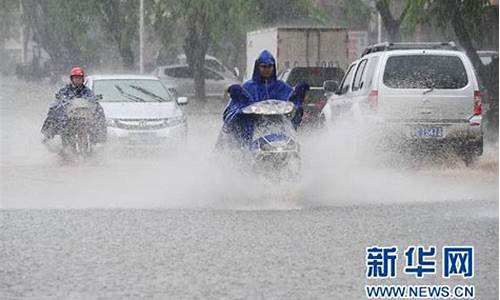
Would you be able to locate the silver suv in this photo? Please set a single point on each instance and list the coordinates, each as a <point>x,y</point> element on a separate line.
<point>426,93</point>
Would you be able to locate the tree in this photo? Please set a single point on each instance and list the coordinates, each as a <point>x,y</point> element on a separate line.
<point>198,21</point>
<point>8,24</point>
<point>167,29</point>
<point>465,17</point>
<point>283,12</point>
<point>204,22</point>
<point>62,32</point>
<point>120,19</point>
<point>210,23</point>
<point>391,24</point>
<point>475,25</point>
<point>7,20</point>
<point>352,14</point>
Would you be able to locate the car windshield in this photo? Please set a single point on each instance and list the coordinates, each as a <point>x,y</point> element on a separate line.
<point>131,90</point>
<point>425,71</point>
<point>314,76</point>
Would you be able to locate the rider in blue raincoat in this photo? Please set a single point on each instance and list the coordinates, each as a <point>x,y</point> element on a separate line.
<point>264,85</point>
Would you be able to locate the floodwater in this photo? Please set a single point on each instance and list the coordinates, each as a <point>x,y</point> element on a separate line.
<point>181,225</point>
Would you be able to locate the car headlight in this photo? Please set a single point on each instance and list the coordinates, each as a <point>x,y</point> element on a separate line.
<point>176,121</point>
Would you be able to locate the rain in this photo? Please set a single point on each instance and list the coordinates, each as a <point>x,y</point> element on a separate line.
<point>175,196</point>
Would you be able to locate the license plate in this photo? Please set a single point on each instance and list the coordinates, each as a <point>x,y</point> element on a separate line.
<point>429,132</point>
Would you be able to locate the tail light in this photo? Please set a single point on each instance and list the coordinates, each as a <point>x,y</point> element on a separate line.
<point>478,104</point>
<point>373,100</point>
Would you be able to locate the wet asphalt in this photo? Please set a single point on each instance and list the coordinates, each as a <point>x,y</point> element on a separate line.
<point>174,225</point>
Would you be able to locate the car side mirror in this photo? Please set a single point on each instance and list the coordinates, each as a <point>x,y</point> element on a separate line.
<point>182,100</point>
<point>330,86</point>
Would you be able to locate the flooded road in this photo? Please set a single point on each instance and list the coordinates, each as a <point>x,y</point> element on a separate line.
<point>228,254</point>
<point>179,225</point>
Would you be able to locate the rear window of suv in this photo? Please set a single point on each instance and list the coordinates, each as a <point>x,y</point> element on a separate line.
<point>425,71</point>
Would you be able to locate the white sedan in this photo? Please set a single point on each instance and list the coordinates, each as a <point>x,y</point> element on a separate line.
<point>139,109</point>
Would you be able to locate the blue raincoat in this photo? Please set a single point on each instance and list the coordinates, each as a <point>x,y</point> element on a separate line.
<point>70,91</point>
<point>240,126</point>
<point>271,88</point>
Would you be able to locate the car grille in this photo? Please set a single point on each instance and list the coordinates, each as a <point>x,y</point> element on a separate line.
<point>141,124</point>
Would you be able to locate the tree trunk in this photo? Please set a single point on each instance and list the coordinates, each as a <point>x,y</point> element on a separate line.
<point>35,16</point>
<point>195,48</point>
<point>199,77</point>
<point>115,12</point>
<point>464,39</point>
<point>488,76</point>
<point>391,25</point>
<point>127,55</point>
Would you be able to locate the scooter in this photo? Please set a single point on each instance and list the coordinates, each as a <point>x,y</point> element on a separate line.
<point>76,135</point>
<point>274,144</point>
<point>262,135</point>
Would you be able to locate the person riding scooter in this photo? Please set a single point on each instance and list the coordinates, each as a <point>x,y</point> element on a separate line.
<point>56,117</point>
<point>264,85</point>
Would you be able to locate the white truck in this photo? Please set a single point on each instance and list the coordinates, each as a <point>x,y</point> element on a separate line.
<point>299,47</point>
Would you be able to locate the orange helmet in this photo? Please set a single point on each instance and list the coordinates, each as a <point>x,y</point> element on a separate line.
<point>77,71</point>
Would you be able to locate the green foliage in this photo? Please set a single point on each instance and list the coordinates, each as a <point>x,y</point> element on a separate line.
<point>120,22</point>
<point>471,12</point>
<point>474,23</point>
<point>282,12</point>
<point>231,18</point>
<point>479,17</point>
<point>416,14</point>
<point>215,24</point>
<point>444,11</point>
<point>75,31</point>
<point>64,34</point>
<point>352,14</point>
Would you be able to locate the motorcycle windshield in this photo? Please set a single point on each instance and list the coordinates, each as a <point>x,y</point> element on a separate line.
<point>276,126</point>
<point>269,107</point>
<point>80,108</point>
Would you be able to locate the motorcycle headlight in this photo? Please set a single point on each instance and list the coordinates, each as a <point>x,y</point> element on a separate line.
<point>291,145</point>
<point>264,146</point>
<point>175,121</point>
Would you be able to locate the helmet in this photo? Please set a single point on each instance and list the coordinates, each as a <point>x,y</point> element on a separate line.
<point>77,71</point>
